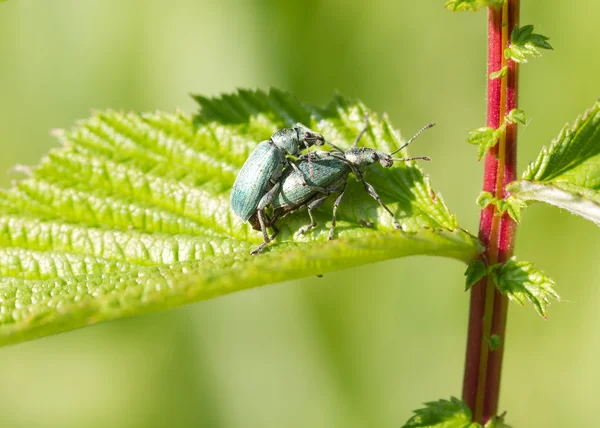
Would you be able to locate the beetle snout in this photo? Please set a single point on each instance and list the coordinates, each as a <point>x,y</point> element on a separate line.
<point>386,162</point>
<point>314,138</point>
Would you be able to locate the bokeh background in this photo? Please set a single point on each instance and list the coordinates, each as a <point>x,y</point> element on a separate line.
<point>359,348</point>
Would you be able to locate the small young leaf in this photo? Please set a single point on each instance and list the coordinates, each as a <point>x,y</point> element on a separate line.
<point>516,116</point>
<point>132,214</point>
<point>525,43</point>
<point>443,414</point>
<point>497,422</point>
<point>471,5</point>
<point>484,199</point>
<point>477,270</point>
<point>485,138</point>
<point>567,173</point>
<point>513,206</point>
<point>494,342</point>
<point>522,281</point>
<point>500,73</point>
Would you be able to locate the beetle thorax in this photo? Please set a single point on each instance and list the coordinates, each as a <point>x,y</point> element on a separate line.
<point>287,141</point>
<point>362,157</point>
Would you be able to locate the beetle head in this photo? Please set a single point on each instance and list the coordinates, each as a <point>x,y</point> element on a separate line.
<point>309,137</point>
<point>362,157</point>
<point>293,140</point>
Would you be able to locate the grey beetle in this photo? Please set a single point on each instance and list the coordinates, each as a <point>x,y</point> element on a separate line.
<point>331,171</point>
<point>257,182</point>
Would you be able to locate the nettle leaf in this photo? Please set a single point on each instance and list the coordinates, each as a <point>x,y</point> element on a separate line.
<point>512,205</point>
<point>494,342</point>
<point>497,422</point>
<point>485,138</point>
<point>522,282</point>
<point>525,43</point>
<point>516,116</point>
<point>478,270</point>
<point>471,5</point>
<point>567,173</point>
<point>500,73</point>
<point>132,214</point>
<point>452,413</point>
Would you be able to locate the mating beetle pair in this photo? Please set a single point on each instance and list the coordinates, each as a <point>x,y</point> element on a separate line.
<point>310,180</point>
<point>258,182</point>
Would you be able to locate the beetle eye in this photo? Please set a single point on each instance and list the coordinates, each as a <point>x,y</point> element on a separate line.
<point>375,157</point>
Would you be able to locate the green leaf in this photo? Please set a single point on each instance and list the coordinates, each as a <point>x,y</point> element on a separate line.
<point>522,281</point>
<point>485,138</point>
<point>484,199</point>
<point>525,43</point>
<point>443,414</point>
<point>516,116</point>
<point>497,422</point>
<point>471,5</point>
<point>500,73</point>
<point>132,214</point>
<point>494,342</point>
<point>511,204</point>
<point>567,173</point>
<point>476,271</point>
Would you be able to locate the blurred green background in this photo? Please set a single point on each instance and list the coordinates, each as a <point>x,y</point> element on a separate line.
<point>359,348</point>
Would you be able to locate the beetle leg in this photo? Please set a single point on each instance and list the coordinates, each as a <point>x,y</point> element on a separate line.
<point>275,230</point>
<point>371,191</point>
<point>264,202</point>
<point>335,207</point>
<point>313,206</point>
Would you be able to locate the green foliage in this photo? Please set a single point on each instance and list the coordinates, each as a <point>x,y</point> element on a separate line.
<point>452,413</point>
<point>485,138</point>
<point>476,271</point>
<point>471,5</point>
<point>522,281</point>
<point>567,173</point>
<point>512,205</point>
<point>485,198</point>
<point>516,116</point>
<point>497,422</point>
<point>494,341</point>
<point>132,215</point>
<point>525,43</point>
<point>500,73</point>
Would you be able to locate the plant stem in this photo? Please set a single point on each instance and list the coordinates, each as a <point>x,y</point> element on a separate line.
<point>488,307</point>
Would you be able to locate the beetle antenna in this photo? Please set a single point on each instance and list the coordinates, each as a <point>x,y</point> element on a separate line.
<point>426,127</point>
<point>425,158</point>
<point>336,148</point>
<point>362,132</point>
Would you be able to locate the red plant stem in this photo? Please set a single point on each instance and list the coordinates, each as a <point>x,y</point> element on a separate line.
<point>488,308</point>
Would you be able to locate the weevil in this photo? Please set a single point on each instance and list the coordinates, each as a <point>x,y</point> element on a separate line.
<point>257,182</point>
<point>331,170</point>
